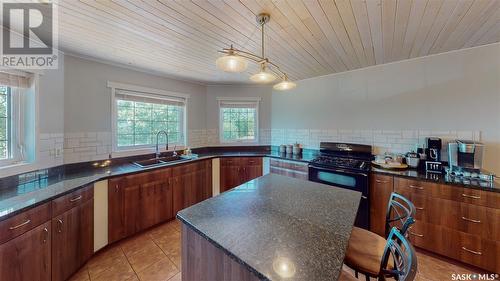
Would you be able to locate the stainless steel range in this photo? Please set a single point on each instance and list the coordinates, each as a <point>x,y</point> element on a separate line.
<point>345,165</point>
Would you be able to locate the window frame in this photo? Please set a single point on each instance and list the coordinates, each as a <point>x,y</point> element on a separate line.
<point>16,127</point>
<point>239,100</point>
<point>148,93</point>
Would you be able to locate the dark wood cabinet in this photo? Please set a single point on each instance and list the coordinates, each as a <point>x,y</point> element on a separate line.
<point>28,256</point>
<point>139,201</point>
<point>191,184</point>
<point>116,229</point>
<point>235,171</point>
<point>381,187</point>
<point>72,240</point>
<point>454,221</point>
<point>163,208</point>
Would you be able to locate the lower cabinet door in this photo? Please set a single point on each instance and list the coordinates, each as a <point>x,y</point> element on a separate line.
<point>177,183</point>
<point>163,202</point>
<point>27,257</point>
<point>131,209</point>
<point>72,240</point>
<point>147,202</point>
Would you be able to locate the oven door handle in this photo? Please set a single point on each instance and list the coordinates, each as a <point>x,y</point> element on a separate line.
<point>338,171</point>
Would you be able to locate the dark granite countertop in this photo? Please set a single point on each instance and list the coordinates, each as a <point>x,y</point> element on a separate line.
<point>276,220</point>
<point>493,186</point>
<point>18,193</point>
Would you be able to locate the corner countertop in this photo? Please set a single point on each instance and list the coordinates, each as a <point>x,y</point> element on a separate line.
<point>275,220</point>
<point>18,193</point>
<point>493,186</point>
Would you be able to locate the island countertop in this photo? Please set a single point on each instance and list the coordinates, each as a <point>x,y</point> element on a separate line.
<point>278,227</point>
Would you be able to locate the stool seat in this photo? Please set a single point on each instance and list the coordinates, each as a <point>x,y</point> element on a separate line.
<point>365,252</point>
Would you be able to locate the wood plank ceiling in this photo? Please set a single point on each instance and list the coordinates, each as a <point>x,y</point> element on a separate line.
<point>306,38</point>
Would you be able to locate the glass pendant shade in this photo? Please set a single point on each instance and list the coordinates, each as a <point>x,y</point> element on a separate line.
<point>232,63</point>
<point>263,76</point>
<point>285,85</point>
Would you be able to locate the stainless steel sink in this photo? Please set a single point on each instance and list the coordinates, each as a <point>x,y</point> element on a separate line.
<point>157,161</point>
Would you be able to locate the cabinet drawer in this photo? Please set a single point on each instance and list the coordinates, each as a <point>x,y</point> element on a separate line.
<point>296,166</point>
<point>468,248</point>
<point>251,161</point>
<point>230,161</point>
<point>471,196</point>
<point>289,173</point>
<point>183,169</point>
<point>23,222</point>
<point>471,219</point>
<point>406,187</point>
<point>73,199</point>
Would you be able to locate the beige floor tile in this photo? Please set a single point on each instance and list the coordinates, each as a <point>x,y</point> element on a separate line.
<point>161,270</point>
<point>145,257</point>
<point>136,243</point>
<point>160,229</point>
<point>104,261</point>
<point>81,275</point>
<point>177,277</point>
<point>156,253</point>
<point>117,272</point>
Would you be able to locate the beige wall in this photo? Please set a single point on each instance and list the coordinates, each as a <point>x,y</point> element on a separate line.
<point>87,99</point>
<point>455,91</point>
<point>212,106</point>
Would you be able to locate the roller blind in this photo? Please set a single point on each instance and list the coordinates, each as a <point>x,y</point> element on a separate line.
<point>238,104</point>
<point>149,98</point>
<point>14,80</point>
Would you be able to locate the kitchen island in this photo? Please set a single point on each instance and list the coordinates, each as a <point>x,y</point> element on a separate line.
<point>271,228</point>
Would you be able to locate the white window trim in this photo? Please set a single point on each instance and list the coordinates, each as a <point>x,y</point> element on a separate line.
<point>236,100</point>
<point>17,164</point>
<point>151,92</point>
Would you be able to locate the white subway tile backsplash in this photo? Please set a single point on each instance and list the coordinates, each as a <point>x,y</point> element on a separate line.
<point>381,140</point>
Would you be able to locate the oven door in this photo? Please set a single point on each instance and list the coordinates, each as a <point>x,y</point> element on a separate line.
<point>342,178</point>
<point>357,181</point>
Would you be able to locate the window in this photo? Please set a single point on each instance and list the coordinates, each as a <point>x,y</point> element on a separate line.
<point>5,123</point>
<point>140,116</point>
<point>238,120</point>
<point>17,118</point>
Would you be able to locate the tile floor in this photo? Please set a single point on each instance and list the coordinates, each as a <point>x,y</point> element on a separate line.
<point>156,255</point>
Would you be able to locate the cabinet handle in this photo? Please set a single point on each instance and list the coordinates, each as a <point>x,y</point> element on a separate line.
<point>19,225</point>
<point>77,198</point>
<point>381,181</point>
<point>116,188</point>
<point>419,208</point>
<point>416,234</point>
<point>46,235</point>
<point>471,196</point>
<point>416,187</point>
<point>471,251</point>
<point>60,222</point>
<point>364,197</point>
<point>471,220</point>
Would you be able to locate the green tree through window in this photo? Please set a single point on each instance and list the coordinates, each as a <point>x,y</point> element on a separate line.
<point>238,124</point>
<point>137,123</point>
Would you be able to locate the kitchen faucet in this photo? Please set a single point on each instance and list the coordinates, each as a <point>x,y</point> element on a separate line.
<point>157,137</point>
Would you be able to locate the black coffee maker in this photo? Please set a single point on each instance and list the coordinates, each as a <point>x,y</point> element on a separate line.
<point>434,146</point>
<point>433,152</point>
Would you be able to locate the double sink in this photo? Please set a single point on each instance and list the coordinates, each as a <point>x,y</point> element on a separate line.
<point>159,161</point>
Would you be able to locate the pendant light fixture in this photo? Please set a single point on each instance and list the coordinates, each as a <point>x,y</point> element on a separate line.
<point>235,60</point>
<point>285,85</point>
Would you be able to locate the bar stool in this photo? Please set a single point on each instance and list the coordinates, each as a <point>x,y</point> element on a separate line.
<point>401,252</point>
<point>365,250</point>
